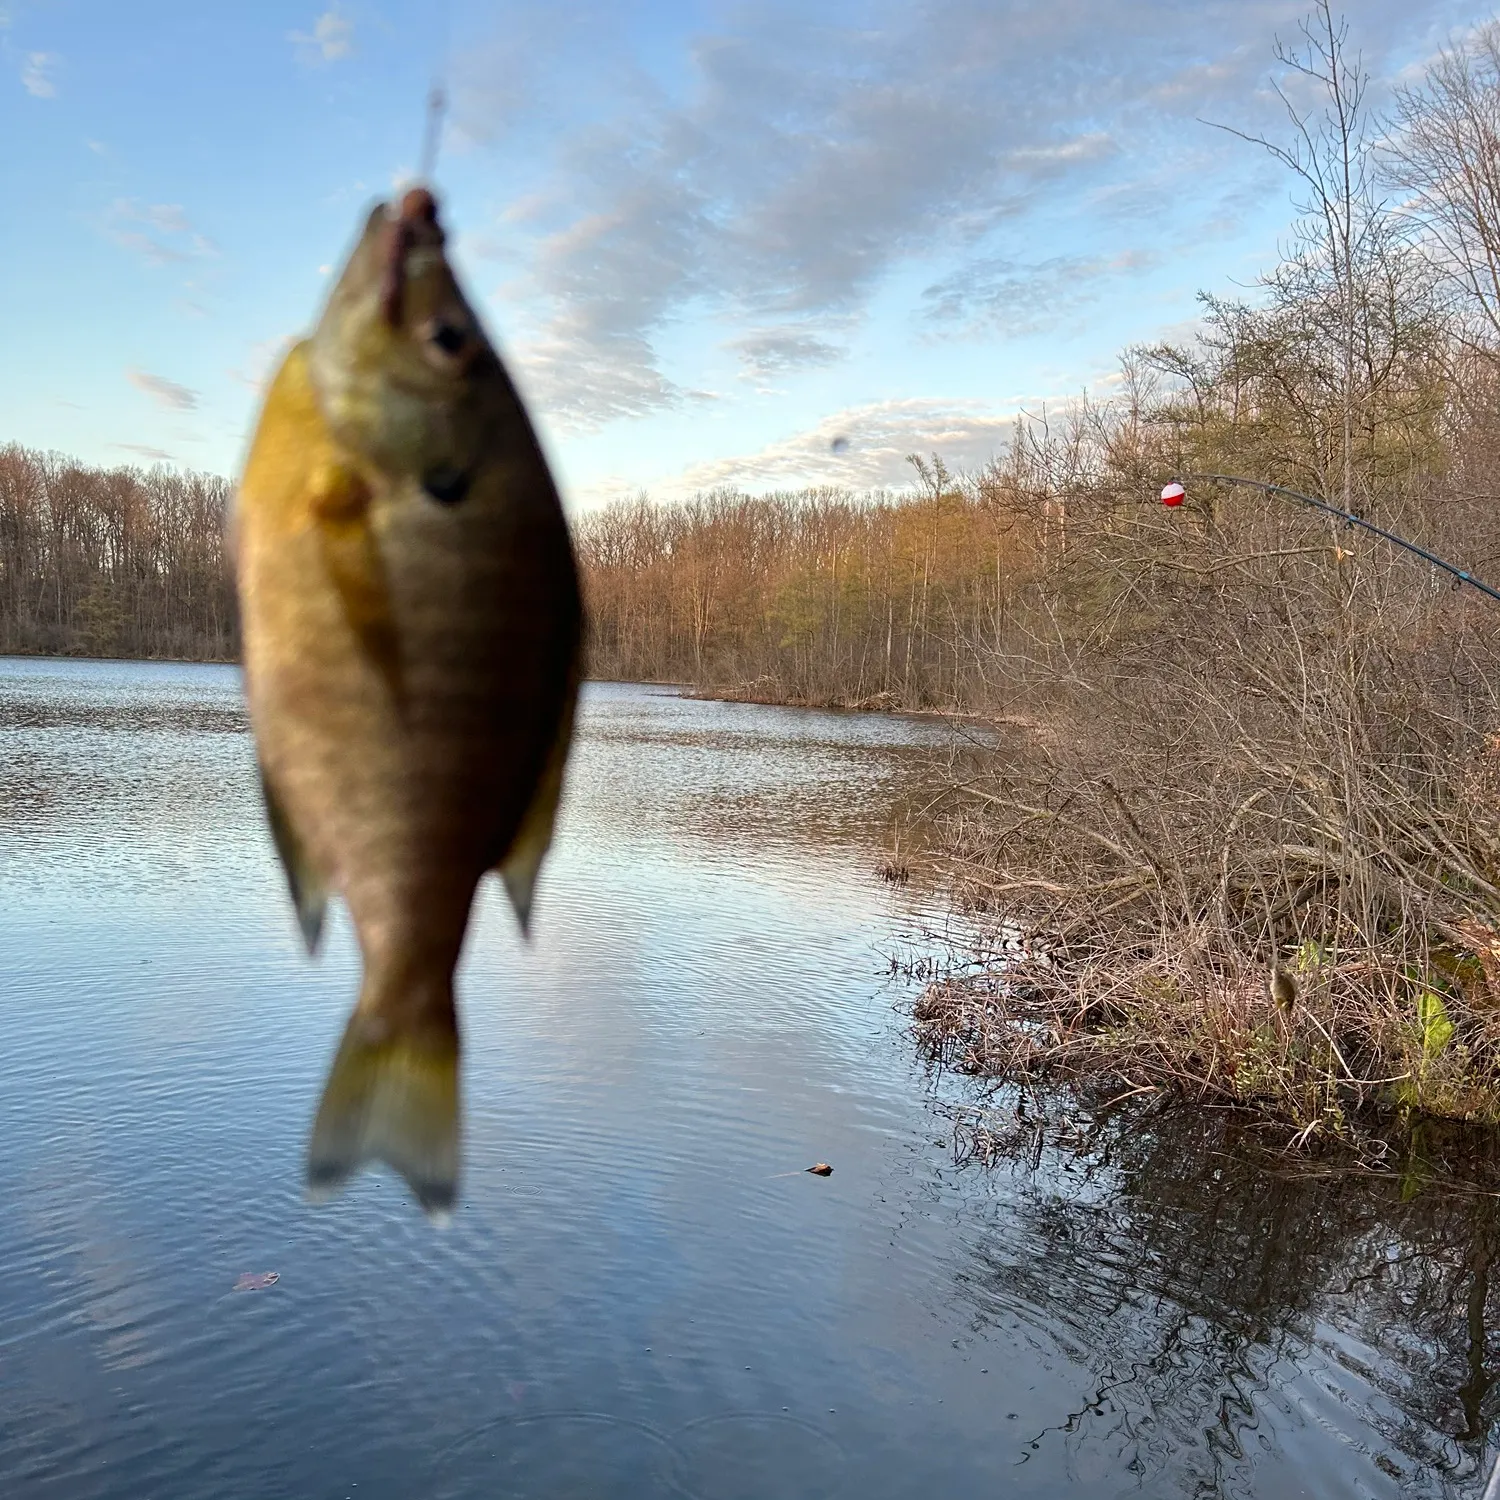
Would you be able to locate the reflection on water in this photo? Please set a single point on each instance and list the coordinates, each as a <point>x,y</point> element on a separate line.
<point>634,1300</point>
<point>1231,1311</point>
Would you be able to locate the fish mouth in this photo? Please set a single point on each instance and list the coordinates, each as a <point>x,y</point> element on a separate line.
<point>415,222</point>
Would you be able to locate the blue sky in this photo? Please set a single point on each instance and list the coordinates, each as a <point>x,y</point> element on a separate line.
<point>709,238</point>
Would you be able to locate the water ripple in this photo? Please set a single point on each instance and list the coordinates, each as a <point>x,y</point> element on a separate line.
<point>642,1294</point>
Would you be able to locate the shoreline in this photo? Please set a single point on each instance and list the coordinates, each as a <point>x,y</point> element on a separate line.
<point>175,661</point>
<point>1052,1018</point>
<point>868,705</point>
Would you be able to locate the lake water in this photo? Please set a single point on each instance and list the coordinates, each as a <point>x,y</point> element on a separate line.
<point>641,1295</point>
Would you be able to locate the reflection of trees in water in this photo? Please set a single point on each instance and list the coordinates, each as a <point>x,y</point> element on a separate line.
<point>1194,1279</point>
<point>166,716</point>
<point>753,781</point>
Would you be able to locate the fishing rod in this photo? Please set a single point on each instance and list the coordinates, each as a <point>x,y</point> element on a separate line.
<point>1175,493</point>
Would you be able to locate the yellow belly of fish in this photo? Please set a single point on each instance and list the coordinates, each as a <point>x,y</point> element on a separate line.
<point>398,677</point>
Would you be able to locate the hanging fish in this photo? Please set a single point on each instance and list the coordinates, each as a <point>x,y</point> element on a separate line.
<point>412,631</point>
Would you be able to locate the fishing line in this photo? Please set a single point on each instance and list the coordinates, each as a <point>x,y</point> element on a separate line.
<point>437,97</point>
<point>1460,576</point>
<point>437,105</point>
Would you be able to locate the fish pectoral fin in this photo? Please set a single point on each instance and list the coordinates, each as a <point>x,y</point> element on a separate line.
<point>391,1096</point>
<point>523,860</point>
<point>341,510</point>
<point>309,889</point>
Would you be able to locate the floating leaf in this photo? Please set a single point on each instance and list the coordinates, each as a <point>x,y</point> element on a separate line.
<point>256,1281</point>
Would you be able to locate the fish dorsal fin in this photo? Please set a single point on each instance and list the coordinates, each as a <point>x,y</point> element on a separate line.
<point>523,860</point>
<point>309,890</point>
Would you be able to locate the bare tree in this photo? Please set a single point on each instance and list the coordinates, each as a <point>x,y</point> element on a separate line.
<point>1331,152</point>
<point>1445,155</point>
<point>112,562</point>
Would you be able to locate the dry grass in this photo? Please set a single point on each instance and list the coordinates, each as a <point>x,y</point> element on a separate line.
<point>1254,853</point>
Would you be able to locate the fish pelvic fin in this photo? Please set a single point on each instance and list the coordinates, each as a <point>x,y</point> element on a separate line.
<point>391,1096</point>
<point>308,888</point>
<point>522,863</point>
<point>340,505</point>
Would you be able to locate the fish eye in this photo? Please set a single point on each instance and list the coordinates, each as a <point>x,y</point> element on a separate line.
<point>444,342</point>
<point>446,485</point>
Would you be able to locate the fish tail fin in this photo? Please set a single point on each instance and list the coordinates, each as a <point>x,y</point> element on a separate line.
<point>391,1096</point>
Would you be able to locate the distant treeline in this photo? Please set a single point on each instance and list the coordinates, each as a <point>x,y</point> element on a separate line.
<point>816,597</point>
<point>112,562</point>
<point>820,596</point>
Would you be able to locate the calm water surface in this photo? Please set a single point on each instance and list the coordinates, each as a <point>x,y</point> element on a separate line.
<point>633,1300</point>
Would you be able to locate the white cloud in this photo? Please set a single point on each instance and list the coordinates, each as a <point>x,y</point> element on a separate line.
<point>331,38</point>
<point>863,447</point>
<point>1014,298</point>
<point>779,351</point>
<point>581,376</point>
<point>36,74</point>
<point>141,450</point>
<point>160,233</point>
<point>805,162</point>
<point>164,392</point>
<point>1093,146</point>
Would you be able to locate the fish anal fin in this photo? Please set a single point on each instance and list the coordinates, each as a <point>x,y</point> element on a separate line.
<point>308,888</point>
<point>391,1096</point>
<point>522,863</point>
<point>340,505</point>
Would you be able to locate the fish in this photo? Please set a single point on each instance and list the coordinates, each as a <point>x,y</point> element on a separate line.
<point>412,630</point>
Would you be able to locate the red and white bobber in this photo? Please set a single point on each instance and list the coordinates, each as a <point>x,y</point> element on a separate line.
<point>1173,494</point>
